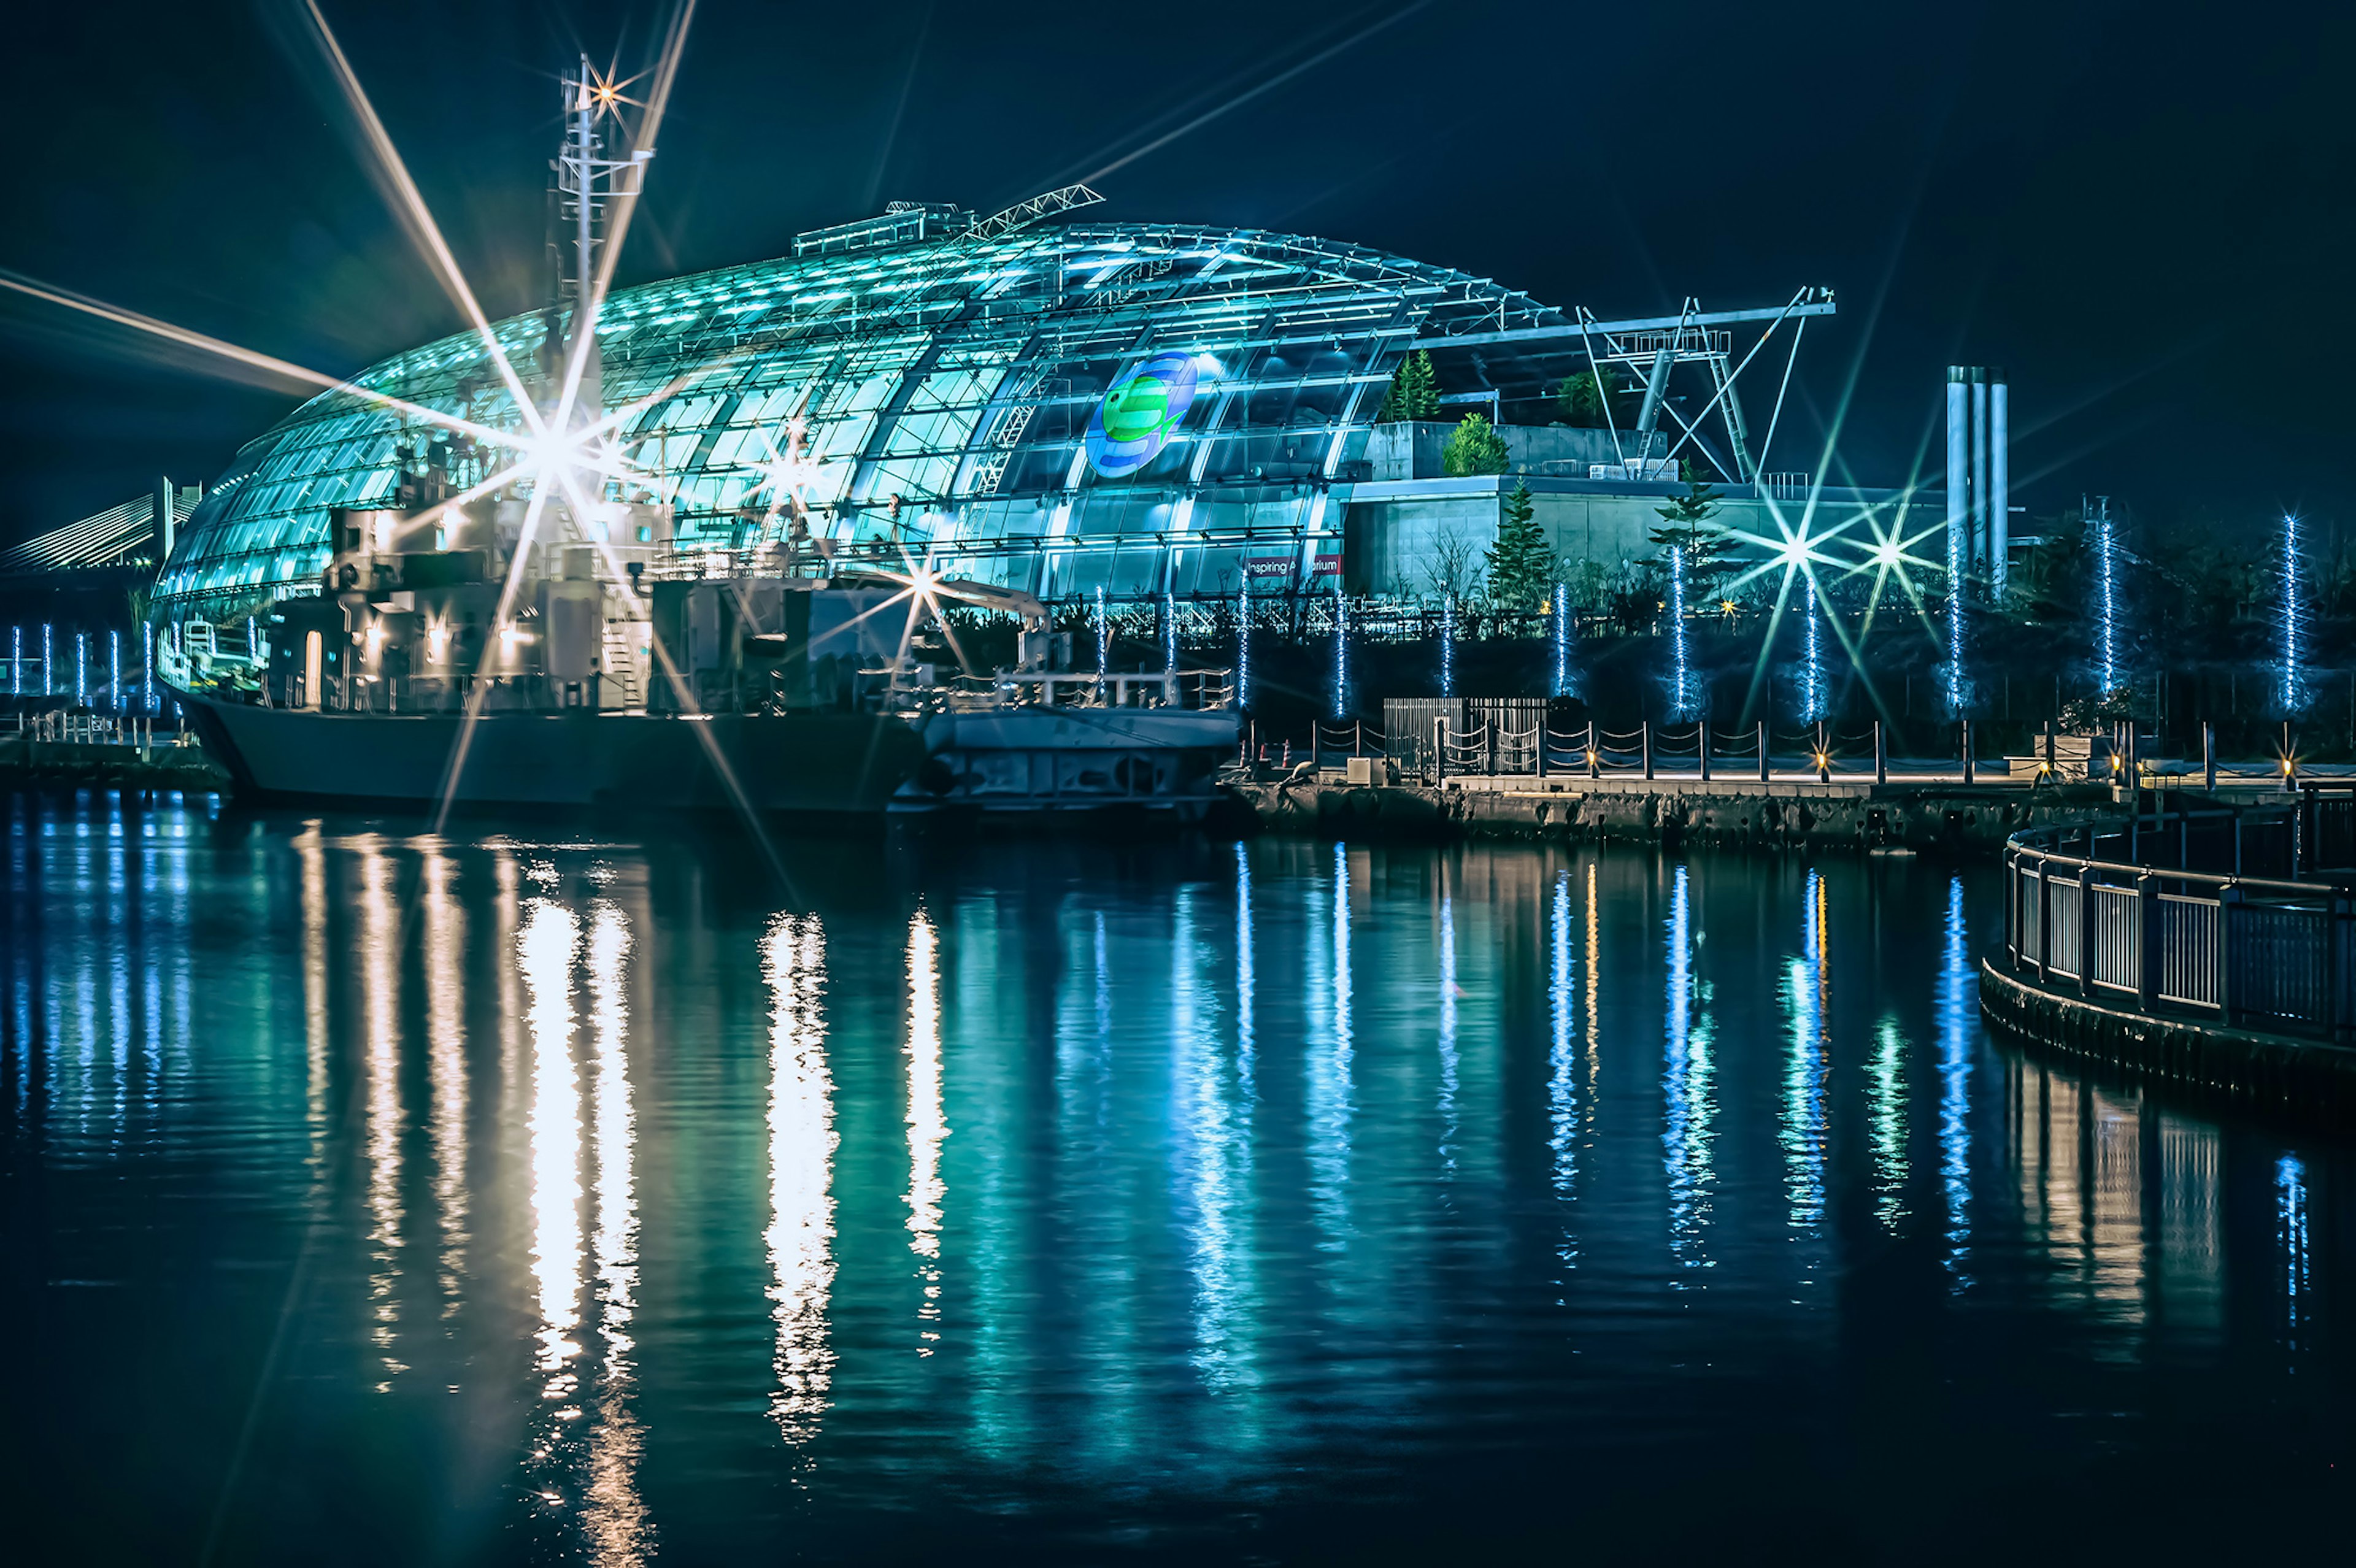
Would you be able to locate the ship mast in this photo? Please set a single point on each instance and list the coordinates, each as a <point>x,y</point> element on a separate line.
<point>587,185</point>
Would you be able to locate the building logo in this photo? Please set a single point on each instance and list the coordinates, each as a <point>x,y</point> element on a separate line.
<point>1139,413</point>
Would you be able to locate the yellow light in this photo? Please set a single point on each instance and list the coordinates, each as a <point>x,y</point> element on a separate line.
<point>437,643</point>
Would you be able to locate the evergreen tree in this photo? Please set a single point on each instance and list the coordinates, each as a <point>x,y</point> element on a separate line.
<point>1580,400</point>
<point>1687,525</point>
<point>1475,448</point>
<point>1414,392</point>
<point>1521,563</point>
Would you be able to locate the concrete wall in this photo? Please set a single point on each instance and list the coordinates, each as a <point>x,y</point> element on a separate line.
<point>1412,451</point>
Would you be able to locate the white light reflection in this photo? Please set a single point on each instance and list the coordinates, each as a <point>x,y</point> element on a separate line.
<point>614,1517</point>
<point>1806,988</point>
<point>1562,1100</point>
<point>380,976</point>
<point>1328,1072</point>
<point>1449,1060</point>
<point>1689,1138</point>
<point>1212,1128</point>
<point>445,946</point>
<point>544,952</point>
<point>802,1141</point>
<point>312,857</point>
<point>1958,1015</point>
<point>1885,1091</point>
<point>926,1125</point>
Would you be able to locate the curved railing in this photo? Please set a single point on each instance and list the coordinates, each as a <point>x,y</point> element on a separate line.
<point>2243,918</point>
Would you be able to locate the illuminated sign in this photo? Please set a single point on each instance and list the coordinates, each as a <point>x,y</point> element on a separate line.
<point>1268,566</point>
<point>1139,411</point>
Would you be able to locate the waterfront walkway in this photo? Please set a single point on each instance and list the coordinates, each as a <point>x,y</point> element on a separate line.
<point>2194,941</point>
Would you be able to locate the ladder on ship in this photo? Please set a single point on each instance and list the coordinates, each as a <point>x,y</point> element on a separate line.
<point>620,662</point>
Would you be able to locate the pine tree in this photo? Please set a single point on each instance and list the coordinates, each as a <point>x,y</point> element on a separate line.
<point>1475,448</point>
<point>1414,392</point>
<point>1521,563</point>
<point>1580,400</point>
<point>1685,524</point>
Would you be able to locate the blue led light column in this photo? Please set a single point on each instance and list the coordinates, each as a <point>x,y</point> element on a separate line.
<point>1448,646</point>
<point>1679,660</point>
<point>1170,633</point>
<point>46,685</point>
<point>147,670</point>
<point>2294,620</point>
<point>1340,656</point>
<point>1561,630</point>
<point>16,661</point>
<point>81,669</point>
<point>1812,660</point>
<point>2107,588</point>
<point>1104,634</point>
<point>1243,650</point>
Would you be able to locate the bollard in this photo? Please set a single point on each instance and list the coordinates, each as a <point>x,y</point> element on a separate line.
<point>2049,748</point>
<point>1648,729</point>
<point>1544,734</point>
<point>1763,750</point>
<point>1824,756</point>
<point>1701,747</point>
<point>1594,752</point>
<point>1357,737</point>
<point>2208,755</point>
<point>1880,756</point>
<point>1967,750</point>
<point>1439,747</point>
<point>2289,763</point>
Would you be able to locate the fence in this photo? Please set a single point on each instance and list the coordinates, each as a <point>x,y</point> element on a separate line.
<point>2169,914</point>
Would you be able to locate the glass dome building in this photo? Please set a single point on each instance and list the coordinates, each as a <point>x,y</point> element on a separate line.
<point>1139,408</point>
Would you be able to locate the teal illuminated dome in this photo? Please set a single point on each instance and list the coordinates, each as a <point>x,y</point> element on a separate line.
<point>1143,408</point>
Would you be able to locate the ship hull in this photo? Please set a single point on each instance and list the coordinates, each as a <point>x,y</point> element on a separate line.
<point>819,764</point>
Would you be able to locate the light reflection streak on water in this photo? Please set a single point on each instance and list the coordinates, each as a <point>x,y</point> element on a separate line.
<point>1213,1134</point>
<point>1958,1012</point>
<point>1594,990</point>
<point>1886,1092</point>
<point>1689,1135</point>
<point>445,945</point>
<point>1244,982</point>
<point>1449,1062</point>
<point>926,1125</point>
<point>2290,1215</point>
<point>311,856</point>
<point>544,947</point>
<point>1802,1133</point>
<point>1561,1092</point>
<point>614,1518</point>
<point>1329,1068</point>
<point>380,976</point>
<point>802,1141</point>
<point>118,989</point>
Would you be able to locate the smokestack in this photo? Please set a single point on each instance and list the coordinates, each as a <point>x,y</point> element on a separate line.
<point>1959,476</point>
<point>1999,482</point>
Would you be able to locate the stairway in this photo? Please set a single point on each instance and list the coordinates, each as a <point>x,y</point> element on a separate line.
<point>619,662</point>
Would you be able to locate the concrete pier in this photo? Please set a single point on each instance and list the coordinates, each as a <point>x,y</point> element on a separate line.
<point>1785,814</point>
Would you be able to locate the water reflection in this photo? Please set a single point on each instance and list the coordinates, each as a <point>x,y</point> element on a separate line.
<point>1808,987</point>
<point>1689,1138</point>
<point>802,1141</point>
<point>614,1518</point>
<point>445,925</point>
<point>1270,1163</point>
<point>379,958</point>
<point>926,1126</point>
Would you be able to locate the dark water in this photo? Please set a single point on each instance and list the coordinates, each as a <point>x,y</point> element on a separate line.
<point>376,1197</point>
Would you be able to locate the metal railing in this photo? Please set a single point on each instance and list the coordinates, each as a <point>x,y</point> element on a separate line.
<point>2168,913</point>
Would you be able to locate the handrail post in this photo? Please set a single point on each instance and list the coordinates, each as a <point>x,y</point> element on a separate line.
<point>2209,757</point>
<point>1763,750</point>
<point>1880,756</point>
<point>1823,754</point>
<point>2228,1005</point>
<point>1967,750</point>
<point>1646,727</point>
<point>2290,764</point>
<point>1701,745</point>
<point>2148,946</point>
<point>2087,886</point>
<point>1439,748</point>
<point>1594,750</point>
<point>1544,734</point>
<point>2044,920</point>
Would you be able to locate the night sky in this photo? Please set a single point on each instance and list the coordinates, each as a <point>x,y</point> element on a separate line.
<point>2143,211</point>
